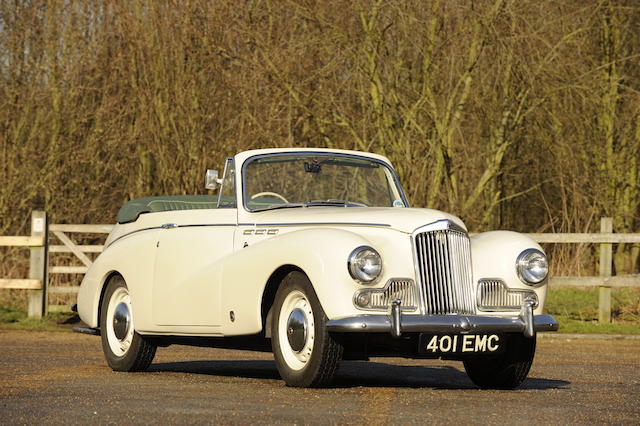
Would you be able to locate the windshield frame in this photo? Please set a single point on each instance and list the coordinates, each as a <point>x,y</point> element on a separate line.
<point>249,160</point>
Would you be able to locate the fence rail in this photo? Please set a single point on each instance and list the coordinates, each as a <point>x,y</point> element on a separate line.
<point>615,281</point>
<point>36,283</point>
<point>21,241</point>
<point>21,284</point>
<point>601,238</point>
<point>41,232</point>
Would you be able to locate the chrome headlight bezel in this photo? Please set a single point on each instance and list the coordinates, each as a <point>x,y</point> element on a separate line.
<point>357,261</point>
<point>532,267</point>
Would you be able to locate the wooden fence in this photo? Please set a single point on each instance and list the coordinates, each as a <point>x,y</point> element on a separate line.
<point>40,270</point>
<point>39,244</point>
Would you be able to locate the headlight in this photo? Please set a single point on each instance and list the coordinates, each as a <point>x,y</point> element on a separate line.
<point>365,264</point>
<point>532,266</point>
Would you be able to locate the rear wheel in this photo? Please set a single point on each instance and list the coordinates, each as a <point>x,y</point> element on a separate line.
<point>306,355</point>
<point>124,349</point>
<point>504,371</point>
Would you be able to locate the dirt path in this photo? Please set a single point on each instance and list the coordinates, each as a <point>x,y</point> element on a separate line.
<point>60,377</point>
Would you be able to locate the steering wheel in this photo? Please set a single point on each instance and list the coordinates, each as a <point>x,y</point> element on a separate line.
<point>272,194</point>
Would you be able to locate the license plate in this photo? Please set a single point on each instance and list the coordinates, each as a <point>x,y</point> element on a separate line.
<point>460,343</point>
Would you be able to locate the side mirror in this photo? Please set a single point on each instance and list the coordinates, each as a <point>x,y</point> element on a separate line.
<point>211,180</point>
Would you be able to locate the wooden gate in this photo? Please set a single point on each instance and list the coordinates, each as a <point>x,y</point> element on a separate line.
<point>63,234</point>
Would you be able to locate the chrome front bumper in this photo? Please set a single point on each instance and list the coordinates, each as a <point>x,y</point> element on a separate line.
<point>396,323</point>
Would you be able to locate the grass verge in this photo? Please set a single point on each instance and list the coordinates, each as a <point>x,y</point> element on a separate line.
<point>16,319</point>
<point>568,325</point>
<point>576,309</point>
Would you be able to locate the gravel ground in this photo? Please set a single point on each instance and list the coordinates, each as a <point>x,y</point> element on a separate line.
<point>61,377</point>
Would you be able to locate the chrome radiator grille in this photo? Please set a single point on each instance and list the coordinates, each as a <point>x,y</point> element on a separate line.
<point>493,295</point>
<point>444,271</point>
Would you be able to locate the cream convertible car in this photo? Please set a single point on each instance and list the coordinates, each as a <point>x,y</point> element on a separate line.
<point>314,254</point>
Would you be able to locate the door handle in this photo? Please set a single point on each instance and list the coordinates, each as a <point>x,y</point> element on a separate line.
<point>169,226</point>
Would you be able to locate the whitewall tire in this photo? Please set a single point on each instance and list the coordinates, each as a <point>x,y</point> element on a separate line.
<point>306,355</point>
<point>124,349</point>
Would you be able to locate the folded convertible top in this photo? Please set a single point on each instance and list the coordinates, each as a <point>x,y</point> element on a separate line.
<point>130,211</point>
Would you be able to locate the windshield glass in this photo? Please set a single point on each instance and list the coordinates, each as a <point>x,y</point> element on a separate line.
<point>304,180</point>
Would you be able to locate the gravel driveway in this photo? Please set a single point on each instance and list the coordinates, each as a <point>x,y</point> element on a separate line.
<point>60,377</point>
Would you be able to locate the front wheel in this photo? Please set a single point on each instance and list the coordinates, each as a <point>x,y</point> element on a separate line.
<point>507,370</point>
<point>306,355</point>
<point>124,349</point>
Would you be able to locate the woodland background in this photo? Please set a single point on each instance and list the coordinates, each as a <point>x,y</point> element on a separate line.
<point>518,115</point>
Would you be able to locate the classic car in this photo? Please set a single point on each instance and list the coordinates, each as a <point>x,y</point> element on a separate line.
<point>315,255</point>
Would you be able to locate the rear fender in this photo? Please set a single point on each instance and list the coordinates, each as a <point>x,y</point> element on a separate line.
<point>137,271</point>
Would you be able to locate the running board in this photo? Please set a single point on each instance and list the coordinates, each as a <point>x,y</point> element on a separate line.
<point>87,330</point>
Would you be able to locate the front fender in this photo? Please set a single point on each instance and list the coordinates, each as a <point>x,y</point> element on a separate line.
<point>494,255</point>
<point>320,253</point>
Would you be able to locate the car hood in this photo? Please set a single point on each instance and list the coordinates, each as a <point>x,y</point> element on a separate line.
<point>399,218</point>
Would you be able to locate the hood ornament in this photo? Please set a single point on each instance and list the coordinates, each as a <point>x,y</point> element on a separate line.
<point>441,225</point>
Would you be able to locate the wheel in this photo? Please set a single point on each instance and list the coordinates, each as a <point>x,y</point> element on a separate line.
<point>506,370</point>
<point>269,194</point>
<point>306,355</point>
<point>124,349</point>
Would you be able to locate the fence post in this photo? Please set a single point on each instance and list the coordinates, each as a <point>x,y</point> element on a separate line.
<point>606,260</point>
<point>38,264</point>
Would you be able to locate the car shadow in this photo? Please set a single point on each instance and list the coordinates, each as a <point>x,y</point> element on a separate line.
<point>352,374</point>
<point>250,369</point>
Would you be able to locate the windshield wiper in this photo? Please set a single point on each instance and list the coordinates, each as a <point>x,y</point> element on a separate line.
<point>280,206</point>
<point>333,203</point>
<point>367,164</point>
<point>313,203</point>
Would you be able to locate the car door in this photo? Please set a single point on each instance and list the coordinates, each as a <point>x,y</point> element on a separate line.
<point>188,267</point>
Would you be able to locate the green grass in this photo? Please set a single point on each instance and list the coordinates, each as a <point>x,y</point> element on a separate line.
<point>16,319</point>
<point>568,325</point>
<point>576,309</point>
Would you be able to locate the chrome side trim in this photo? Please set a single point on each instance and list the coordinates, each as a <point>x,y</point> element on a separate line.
<point>206,224</point>
<point>455,324</point>
<point>316,224</point>
<point>130,233</point>
<point>150,228</point>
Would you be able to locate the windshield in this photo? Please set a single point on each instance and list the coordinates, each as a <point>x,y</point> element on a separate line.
<point>305,180</point>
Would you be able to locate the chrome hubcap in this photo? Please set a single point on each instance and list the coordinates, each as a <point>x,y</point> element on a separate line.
<point>296,333</point>
<point>297,330</point>
<point>121,321</point>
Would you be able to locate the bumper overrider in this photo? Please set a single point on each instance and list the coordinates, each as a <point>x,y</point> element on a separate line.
<point>396,323</point>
